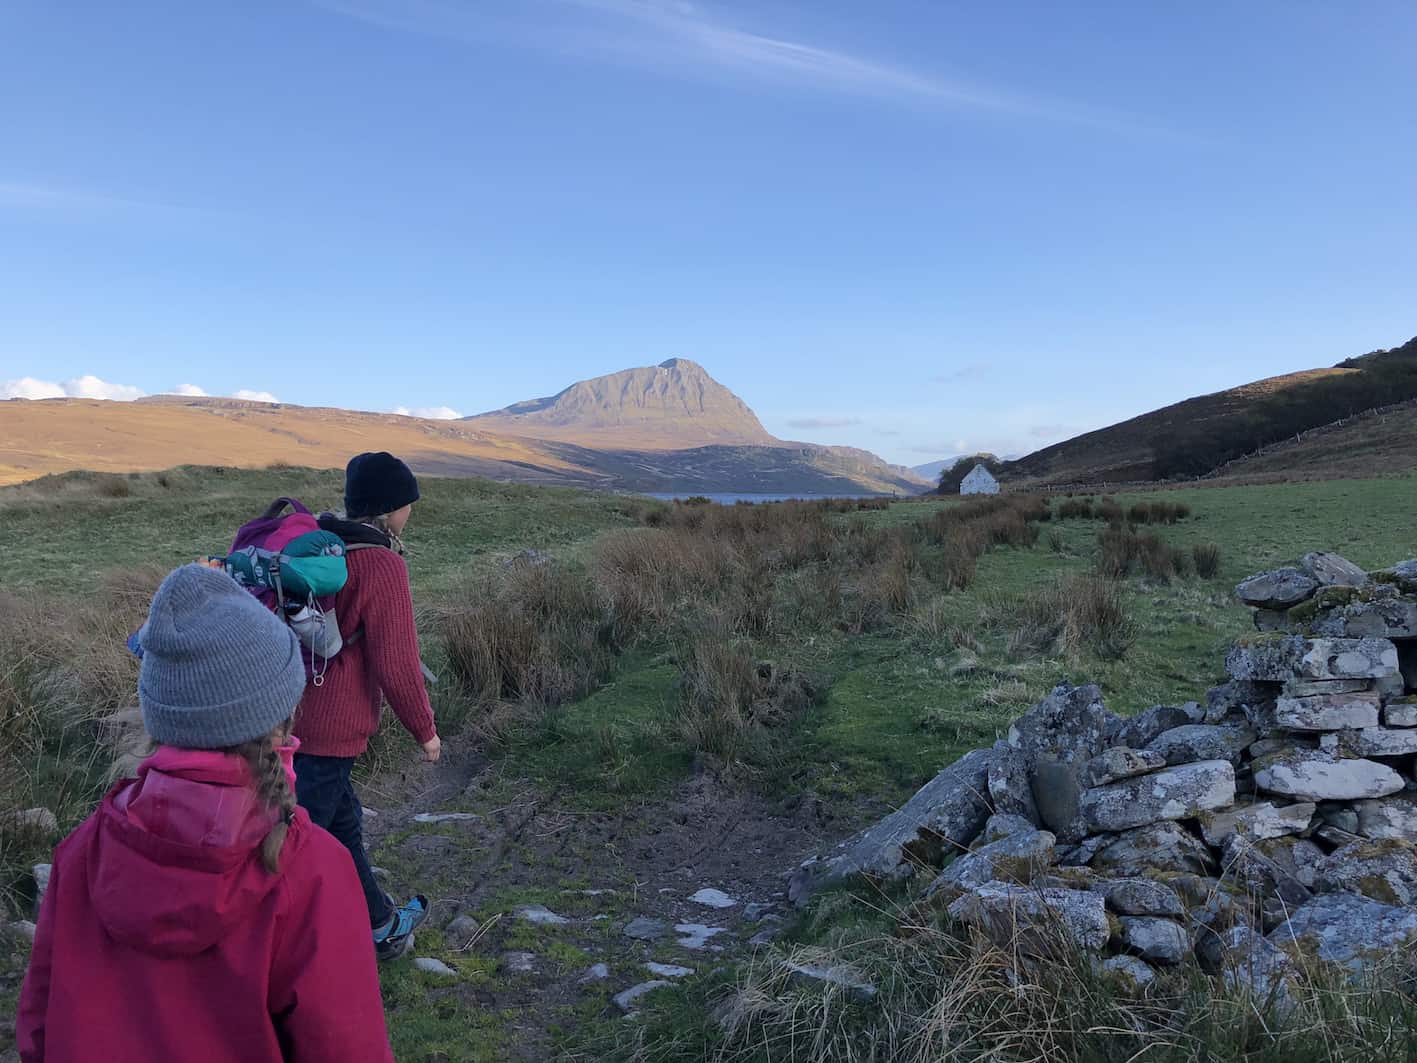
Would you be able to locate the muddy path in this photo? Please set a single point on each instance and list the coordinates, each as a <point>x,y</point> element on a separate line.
<point>544,915</point>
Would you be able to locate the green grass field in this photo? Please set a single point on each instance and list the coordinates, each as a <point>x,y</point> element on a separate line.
<point>895,704</point>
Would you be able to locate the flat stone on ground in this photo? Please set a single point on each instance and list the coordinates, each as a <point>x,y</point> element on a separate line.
<point>598,972</point>
<point>668,970</point>
<point>644,928</point>
<point>712,898</point>
<point>539,915</point>
<point>429,965</point>
<point>519,962</point>
<point>625,1001</point>
<point>446,817</point>
<point>695,935</point>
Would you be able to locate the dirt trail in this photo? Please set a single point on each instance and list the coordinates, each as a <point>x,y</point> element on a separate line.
<point>501,879</point>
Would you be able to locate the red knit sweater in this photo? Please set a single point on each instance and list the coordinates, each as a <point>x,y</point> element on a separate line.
<point>337,718</point>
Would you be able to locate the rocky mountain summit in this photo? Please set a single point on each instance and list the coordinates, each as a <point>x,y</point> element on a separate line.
<point>673,404</point>
<point>1267,829</point>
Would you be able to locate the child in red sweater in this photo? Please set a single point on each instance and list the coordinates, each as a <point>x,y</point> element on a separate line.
<point>379,660</point>
<point>198,914</point>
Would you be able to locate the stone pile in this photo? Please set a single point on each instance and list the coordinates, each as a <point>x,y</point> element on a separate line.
<point>1276,821</point>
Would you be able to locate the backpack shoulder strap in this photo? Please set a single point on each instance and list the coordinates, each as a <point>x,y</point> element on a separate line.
<point>276,508</point>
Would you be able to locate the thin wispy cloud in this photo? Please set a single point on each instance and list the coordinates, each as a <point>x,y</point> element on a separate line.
<point>973,371</point>
<point>822,422</point>
<point>64,200</point>
<point>684,39</point>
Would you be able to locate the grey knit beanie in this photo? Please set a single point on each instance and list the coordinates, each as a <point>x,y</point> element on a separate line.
<point>219,668</point>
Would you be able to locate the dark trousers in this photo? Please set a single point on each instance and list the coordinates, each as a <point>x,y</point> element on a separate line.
<point>323,788</point>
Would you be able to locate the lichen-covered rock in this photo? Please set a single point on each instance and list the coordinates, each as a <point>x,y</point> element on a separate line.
<point>1276,658</point>
<point>1273,868</point>
<point>1003,825</point>
<point>1235,700</point>
<point>1381,742</point>
<point>1017,858</point>
<point>1317,775</point>
<point>1081,854</point>
<point>1056,738</point>
<point>1402,713</point>
<point>1120,762</point>
<point>1304,688</point>
<point>1245,959</point>
<point>1155,939</point>
<point>1028,917</point>
<point>944,816</point>
<point>1348,929</point>
<point>1158,847</point>
<point>1132,974</point>
<point>1352,658</point>
<point>1392,817</point>
<point>1383,870</point>
<point>1256,821</point>
<point>1376,619</point>
<point>1331,570</point>
<point>1136,732</point>
<point>1326,712</point>
<point>1203,741</point>
<point>1174,793</point>
<point>1140,896</point>
<point>1010,786</point>
<point>1278,589</point>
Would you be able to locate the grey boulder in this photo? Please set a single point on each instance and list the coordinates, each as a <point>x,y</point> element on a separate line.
<point>1318,775</point>
<point>1140,896</point>
<point>1203,741</point>
<point>1002,825</point>
<point>1120,762</point>
<point>1381,742</point>
<point>944,817</point>
<point>1382,870</point>
<point>1010,915</point>
<point>1326,712</point>
<point>1279,589</point>
<point>1402,713</point>
<point>1158,847</point>
<point>1245,959</point>
<point>1155,939</point>
<point>1347,929</point>
<point>1175,793</point>
<point>1331,570</point>
<point>1392,817</point>
<point>1132,974</point>
<point>1017,858</point>
<point>1136,732</point>
<point>1256,822</point>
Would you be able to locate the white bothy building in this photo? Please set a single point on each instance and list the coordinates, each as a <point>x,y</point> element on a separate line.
<point>980,481</point>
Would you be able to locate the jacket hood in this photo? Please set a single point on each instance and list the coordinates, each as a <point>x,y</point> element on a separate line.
<point>177,855</point>
<point>356,532</point>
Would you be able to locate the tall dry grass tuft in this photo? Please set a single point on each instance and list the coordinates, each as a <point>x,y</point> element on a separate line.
<point>1206,558</point>
<point>933,991</point>
<point>729,700</point>
<point>534,631</point>
<point>1072,616</point>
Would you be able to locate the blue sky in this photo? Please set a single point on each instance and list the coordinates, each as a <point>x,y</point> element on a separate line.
<point>917,226</point>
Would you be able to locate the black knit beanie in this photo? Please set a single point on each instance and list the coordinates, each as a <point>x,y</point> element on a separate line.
<point>375,484</point>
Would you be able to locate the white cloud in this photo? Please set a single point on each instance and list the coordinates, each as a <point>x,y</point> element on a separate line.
<point>430,413</point>
<point>188,389</point>
<point>82,387</point>
<point>254,396</point>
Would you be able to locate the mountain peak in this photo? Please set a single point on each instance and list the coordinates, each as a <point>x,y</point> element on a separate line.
<point>672,405</point>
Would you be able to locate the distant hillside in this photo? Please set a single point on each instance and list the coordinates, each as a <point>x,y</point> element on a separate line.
<point>931,469</point>
<point>60,435</point>
<point>669,406</point>
<point>1193,437</point>
<point>1373,445</point>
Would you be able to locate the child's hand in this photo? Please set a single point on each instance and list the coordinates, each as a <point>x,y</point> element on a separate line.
<point>432,749</point>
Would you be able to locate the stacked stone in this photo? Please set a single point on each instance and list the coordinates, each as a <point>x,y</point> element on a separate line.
<point>1279,816</point>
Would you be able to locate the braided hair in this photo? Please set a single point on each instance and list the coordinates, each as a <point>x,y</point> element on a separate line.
<point>272,788</point>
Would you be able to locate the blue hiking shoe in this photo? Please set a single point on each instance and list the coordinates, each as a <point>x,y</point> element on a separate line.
<point>396,937</point>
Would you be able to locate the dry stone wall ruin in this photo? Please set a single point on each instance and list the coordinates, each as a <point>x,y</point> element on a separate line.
<point>1268,826</point>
